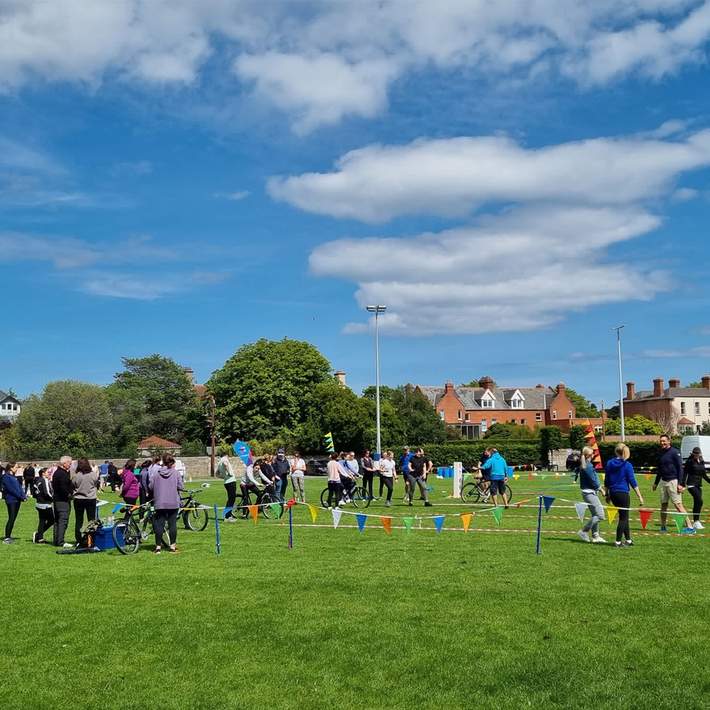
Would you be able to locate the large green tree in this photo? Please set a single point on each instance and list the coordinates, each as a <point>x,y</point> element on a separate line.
<point>637,424</point>
<point>584,407</point>
<point>67,418</point>
<point>267,388</point>
<point>154,395</point>
<point>420,421</point>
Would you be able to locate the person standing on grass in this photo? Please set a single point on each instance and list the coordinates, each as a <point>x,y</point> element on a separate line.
<point>62,487</point>
<point>404,460</point>
<point>28,478</point>
<point>130,485</point>
<point>417,469</point>
<point>43,495</point>
<point>112,476</point>
<point>282,468</point>
<point>694,472</point>
<point>590,486</point>
<point>165,487</point>
<point>670,474</point>
<point>14,496</point>
<point>497,468</point>
<point>367,465</point>
<point>298,476</point>
<point>618,481</point>
<point>85,485</point>
<point>334,485</point>
<point>388,475</point>
<point>226,473</point>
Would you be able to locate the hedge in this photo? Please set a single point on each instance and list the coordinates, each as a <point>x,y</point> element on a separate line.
<point>643,453</point>
<point>514,452</point>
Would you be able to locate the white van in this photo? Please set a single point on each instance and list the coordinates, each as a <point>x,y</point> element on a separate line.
<point>690,442</point>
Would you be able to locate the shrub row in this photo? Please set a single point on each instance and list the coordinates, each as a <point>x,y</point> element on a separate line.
<point>643,453</point>
<point>515,453</point>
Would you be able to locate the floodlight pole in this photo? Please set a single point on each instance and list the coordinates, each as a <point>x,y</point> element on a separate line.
<point>377,310</point>
<point>618,330</point>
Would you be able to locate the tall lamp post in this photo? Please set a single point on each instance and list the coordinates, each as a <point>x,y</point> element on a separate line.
<point>618,330</point>
<point>213,406</point>
<point>377,310</point>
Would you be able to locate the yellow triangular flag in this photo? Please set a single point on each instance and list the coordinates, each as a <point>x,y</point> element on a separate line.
<point>611,513</point>
<point>648,476</point>
<point>314,512</point>
<point>516,476</point>
<point>466,520</point>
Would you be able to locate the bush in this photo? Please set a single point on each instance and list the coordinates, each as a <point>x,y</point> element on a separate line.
<point>643,453</point>
<point>515,453</point>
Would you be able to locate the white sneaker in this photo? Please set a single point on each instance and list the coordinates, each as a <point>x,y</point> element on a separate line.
<point>342,502</point>
<point>598,538</point>
<point>583,535</point>
<point>698,525</point>
<point>67,545</point>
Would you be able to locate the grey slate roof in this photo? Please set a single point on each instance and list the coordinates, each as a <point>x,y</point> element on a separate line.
<point>670,392</point>
<point>535,397</point>
<point>6,395</point>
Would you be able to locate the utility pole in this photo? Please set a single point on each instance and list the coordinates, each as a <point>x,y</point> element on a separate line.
<point>213,406</point>
<point>618,330</point>
<point>377,310</point>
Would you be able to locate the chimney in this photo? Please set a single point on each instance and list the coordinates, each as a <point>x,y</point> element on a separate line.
<point>561,388</point>
<point>448,387</point>
<point>706,382</point>
<point>539,387</point>
<point>658,387</point>
<point>674,382</point>
<point>340,376</point>
<point>630,390</point>
<point>486,382</point>
<point>190,373</point>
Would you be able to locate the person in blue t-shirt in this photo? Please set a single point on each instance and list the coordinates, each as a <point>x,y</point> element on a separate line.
<point>405,469</point>
<point>497,468</point>
<point>618,481</point>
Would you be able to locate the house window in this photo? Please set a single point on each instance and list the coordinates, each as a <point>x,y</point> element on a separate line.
<point>460,417</point>
<point>569,414</point>
<point>442,415</point>
<point>554,414</point>
<point>516,403</point>
<point>484,426</point>
<point>468,417</point>
<point>682,407</point>
<point>494,421</point>
<point>697,408</point>
<point>487,403</point>
<point>522,421</point>
<point>538,416</point>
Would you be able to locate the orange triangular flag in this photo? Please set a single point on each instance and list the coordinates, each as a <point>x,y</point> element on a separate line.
<point>466,520</point>
<point>387,523</point>
<point>254,513</point>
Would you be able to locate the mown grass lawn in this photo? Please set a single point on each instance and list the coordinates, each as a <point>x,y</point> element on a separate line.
<point>363,620</point>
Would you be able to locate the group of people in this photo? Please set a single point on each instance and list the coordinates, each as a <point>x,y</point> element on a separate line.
<point>77,483</point>
<point>672,476</point>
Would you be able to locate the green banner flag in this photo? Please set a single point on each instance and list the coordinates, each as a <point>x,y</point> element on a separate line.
<point>679,519</point>
<point>408,522</point>
<point>276,509</point>
<point>329,444</point>
<point>497,514</point>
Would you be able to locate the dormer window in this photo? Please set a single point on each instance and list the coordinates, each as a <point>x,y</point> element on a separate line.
<point>488,400</point>
<point>517,401</point>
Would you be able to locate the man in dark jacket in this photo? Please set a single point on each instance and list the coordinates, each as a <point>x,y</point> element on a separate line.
<point>281,468</point>
<point>28,476</point>
<point>61,484</point>
<point>670,475</point>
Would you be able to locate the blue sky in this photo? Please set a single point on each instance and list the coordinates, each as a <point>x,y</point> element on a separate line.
<point>511,180</point>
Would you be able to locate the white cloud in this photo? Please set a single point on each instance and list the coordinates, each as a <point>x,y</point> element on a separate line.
<point>236,196</point>
<point>321,61</point>
<point>451,177</point>
<point>523,270</point>
<point>700,351</point>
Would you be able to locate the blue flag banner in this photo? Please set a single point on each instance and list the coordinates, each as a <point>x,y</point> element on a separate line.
<point>116,508</point>
<point>548,501</point>
<point>361,520</point>
<point>227,510</point>
<point>242,449</point>
<point>439,522</point>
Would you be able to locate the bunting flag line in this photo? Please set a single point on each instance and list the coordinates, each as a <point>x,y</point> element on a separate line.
<point>329,444</point>
<point>497,514</point>
<point>254,513</point>
<point>644,517</point>
<point>679,520</point>
<point>408,522</point>
<point>548,501</point>
<point>439,522</point>
<point>275,509</point>
<point>581,509</point>
<point>387,523</point>
<point>337,514</point>
<point>611,512</point>
<point>466,520</point>
<point>116,508</point>
<point>361,520</point>
<point>313,511</point>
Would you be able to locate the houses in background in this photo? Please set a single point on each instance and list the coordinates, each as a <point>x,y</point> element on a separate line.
<point>474,409</point>
<point>680,410</point>
<point>10,407</point>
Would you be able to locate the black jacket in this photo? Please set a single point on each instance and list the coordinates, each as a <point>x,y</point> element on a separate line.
<point>61,483</point>
<point>694,472</point>
<point>670,466</point>
<point>43,491</point>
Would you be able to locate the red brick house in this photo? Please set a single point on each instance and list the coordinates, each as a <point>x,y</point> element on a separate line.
<point>475,409</point>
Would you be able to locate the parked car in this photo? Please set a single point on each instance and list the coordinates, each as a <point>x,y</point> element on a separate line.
<point>316,467</point>
<point>688,443</point>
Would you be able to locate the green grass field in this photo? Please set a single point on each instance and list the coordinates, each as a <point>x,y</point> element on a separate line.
<point>363,620</point>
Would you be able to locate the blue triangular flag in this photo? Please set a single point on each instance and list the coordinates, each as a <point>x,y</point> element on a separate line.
<point>361,520</point>
<point>242,449</point>
<point>227,510</point>
<point>116,508</point>
<point>548,501</point>
<point>439,522</point>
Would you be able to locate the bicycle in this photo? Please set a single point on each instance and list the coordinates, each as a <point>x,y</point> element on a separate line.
<point>358,497</point>
<point>133,529</point>
<point>476,491</point>
<point>194,517</point>
<point>265,498</point>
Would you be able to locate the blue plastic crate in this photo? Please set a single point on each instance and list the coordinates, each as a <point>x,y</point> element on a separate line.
<point>103,539</point>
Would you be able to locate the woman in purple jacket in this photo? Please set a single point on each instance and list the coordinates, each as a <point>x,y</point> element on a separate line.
<point>165,487</point>
<point>130,488</point>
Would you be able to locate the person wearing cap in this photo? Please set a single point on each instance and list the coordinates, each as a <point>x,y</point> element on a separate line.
<point>694,472</point>
<point>281,468</point>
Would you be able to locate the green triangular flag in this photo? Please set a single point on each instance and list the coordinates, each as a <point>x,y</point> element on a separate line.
<point>276,509</point>
<point>408,522</point>
<point>679,519</point>
<point>497,514</point>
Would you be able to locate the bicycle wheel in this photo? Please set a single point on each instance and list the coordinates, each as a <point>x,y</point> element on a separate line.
<point>240,509</point>
<point>196,519</point>
<point>359,497</point>
<point>270,511</point>
<point>324,498</point>
<point>509,492</point>
<point>126,537</point>
<point>470,493</point>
